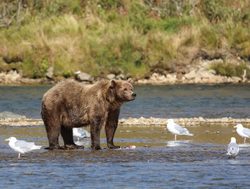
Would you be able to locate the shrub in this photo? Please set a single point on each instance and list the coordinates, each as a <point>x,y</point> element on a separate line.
<point>210,38</point>
<point>34,69</point>
<point>231,69</point>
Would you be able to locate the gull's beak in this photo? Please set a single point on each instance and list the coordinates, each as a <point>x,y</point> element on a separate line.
<point>235,126</point>
<point>7,139</point>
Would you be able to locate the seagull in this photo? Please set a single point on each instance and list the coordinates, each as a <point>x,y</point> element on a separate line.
<point>232,148</point>
<point>21,146</point>
<point>80,133</point>
<point>177,129</point>
<point>242,131</point>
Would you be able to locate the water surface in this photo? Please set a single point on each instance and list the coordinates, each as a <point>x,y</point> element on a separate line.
<point>210,101</point>
<point>157,162</point>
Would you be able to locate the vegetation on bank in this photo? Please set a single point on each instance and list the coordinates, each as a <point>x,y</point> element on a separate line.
<point>132,37</point>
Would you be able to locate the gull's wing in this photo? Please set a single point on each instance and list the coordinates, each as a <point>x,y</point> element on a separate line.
<point>181,130</point>
<point>82,133</point>
<point>246,131</point>
<point>75,132</point>
<point>24,146</point>
<point>86,133</point>
<point>232,149</point>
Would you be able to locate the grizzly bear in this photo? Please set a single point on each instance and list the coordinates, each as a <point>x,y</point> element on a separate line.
<point>72,104</point>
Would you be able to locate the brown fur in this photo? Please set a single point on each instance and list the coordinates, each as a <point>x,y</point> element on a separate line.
<point>72,104</point>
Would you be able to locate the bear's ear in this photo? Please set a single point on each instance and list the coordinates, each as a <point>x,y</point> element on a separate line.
<point>112,84</point>
<point>130,81</point>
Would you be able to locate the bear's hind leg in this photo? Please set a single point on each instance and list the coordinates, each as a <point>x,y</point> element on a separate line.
<point>67,135</point>
<point>53,135</point>
<point>52,126</point>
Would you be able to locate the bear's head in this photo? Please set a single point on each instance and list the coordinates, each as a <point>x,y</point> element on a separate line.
<point>121,91</point>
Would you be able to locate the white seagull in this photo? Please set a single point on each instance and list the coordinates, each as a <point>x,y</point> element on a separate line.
<point>177,129</point>
<point>21,146</point>
<point>233,148</point>
<point>80,133</point>
<point>242,131</point>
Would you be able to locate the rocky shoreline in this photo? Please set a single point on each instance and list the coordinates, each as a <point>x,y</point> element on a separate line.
<point>141,122</point>
<point>201,73</point>
<point>155,79</point>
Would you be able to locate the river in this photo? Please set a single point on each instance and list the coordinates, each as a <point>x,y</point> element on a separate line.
<point>210,101</point>
<point>157,162</point>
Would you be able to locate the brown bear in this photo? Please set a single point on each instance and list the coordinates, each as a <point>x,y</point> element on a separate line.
<point>72,104</point>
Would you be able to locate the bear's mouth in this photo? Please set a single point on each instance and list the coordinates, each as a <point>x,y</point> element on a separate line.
<point>132,98</point>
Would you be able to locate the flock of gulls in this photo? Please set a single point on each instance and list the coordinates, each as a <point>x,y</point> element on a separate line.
<point>22,146</point>
<point>232,148</point>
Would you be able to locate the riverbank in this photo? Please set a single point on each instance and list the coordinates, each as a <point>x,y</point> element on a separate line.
<point>197,75</point>
<point>149,42</point>
<point>142,122</point>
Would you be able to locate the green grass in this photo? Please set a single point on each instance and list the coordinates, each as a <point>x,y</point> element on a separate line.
<point>130,37</point>
<point>230,69</point>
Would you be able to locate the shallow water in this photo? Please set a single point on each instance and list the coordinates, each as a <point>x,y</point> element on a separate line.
<point>157,162</point>
<point>210,101</point>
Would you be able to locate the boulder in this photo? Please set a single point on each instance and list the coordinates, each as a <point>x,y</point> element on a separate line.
<point>82,76</point>
<point>110,76</point>
<point>50,73</point>
<point>10,77</point>
<point>121,76</point>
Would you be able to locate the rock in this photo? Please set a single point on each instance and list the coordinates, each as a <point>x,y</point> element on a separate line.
<point>10,77</point>
<point>121,76</point>
<point>171,78</point>
<point>235,79</point>
<point>81,76</point>
<point>110,76</point>
<point>190,75</point>
<point>50,73</point>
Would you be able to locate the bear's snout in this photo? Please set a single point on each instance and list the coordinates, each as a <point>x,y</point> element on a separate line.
<point>133,94</point>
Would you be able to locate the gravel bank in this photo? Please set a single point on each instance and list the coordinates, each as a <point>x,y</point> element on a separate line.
<point>141,122</point>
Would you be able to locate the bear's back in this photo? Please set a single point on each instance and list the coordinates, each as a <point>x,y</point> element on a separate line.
<point>62,88</point>
<point>71,89</point>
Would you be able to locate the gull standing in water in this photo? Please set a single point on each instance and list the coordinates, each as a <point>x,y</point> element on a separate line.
<point>21,146</point>
<point>242,131</point>
<point>177,129</point>
<point>233,148</point>
<point>80,133</point>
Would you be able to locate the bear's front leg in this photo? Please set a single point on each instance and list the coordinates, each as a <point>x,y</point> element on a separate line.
<point>110,128</point>
<point>95,130</point>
